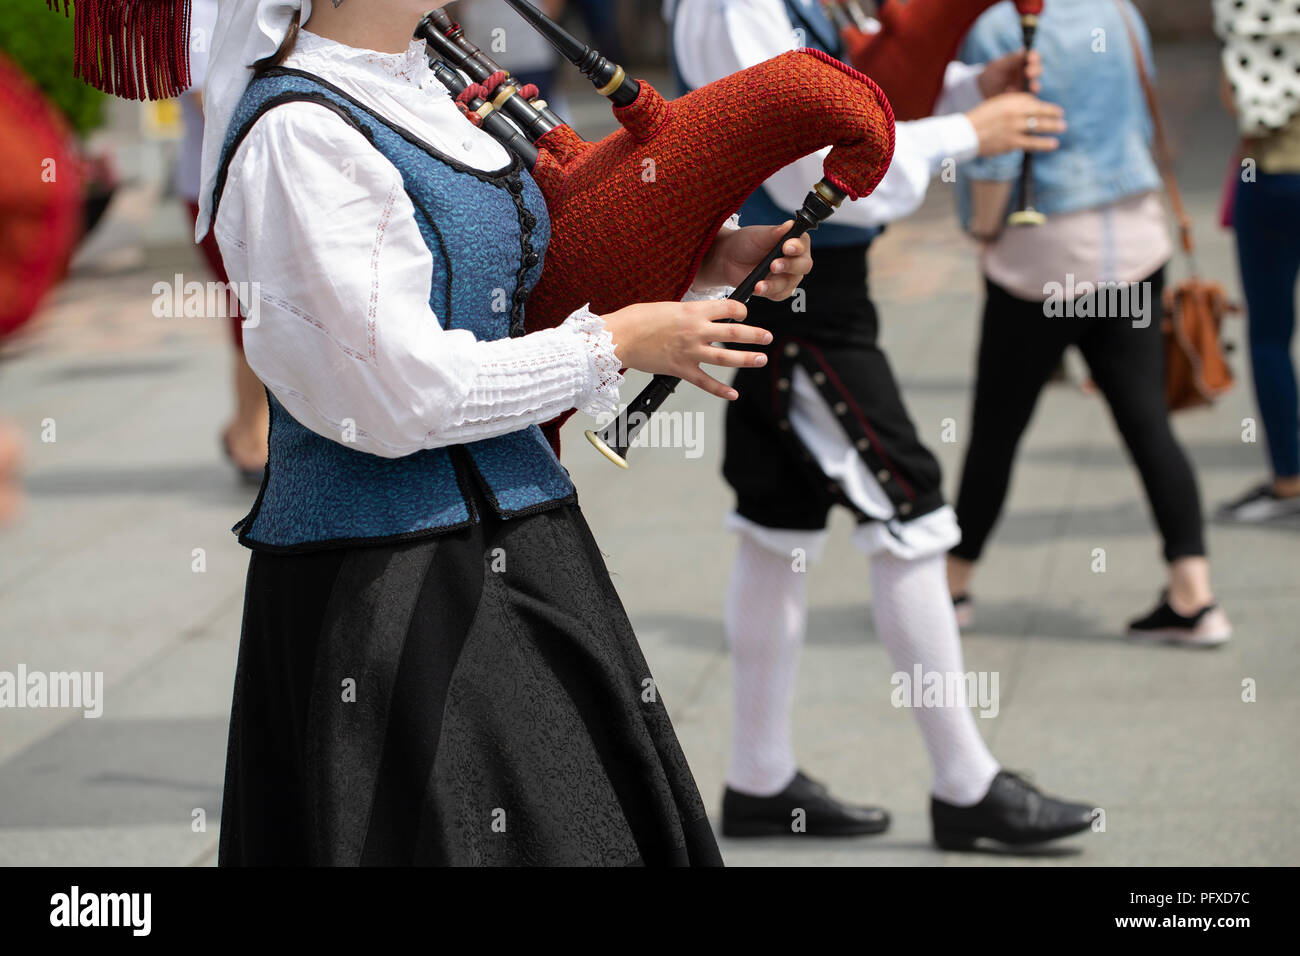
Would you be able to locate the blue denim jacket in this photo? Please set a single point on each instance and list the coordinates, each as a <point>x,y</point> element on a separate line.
<point>1088,68</point>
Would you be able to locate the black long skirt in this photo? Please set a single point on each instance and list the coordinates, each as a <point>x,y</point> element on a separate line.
<point>476,698</point>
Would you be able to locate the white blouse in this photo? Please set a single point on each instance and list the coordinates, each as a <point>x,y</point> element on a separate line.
<point>340,329</point>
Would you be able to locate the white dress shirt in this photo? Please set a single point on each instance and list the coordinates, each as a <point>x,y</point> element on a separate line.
<point>715,38</point>
<point>319,224</point>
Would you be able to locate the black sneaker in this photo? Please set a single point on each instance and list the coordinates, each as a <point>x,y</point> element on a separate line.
<point>1014,812</point>
<point>1206,628</point>
<point>1259,504</point>
<point>805,807</point>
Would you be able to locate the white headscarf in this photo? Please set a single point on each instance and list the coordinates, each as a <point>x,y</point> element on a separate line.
<point>247,31</point>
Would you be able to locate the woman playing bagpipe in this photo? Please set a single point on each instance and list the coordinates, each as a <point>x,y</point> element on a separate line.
<point>434,665</point>
<point>824,424</point>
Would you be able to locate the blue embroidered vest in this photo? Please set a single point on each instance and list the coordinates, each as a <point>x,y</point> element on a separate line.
<point>487,233</point>
<point>813,29</point>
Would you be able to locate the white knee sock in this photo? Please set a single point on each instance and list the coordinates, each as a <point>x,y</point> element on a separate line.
<point>915,621</point>
<point>765,621</point>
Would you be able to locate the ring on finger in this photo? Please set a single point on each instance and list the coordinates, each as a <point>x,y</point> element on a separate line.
<point>1031,123</point>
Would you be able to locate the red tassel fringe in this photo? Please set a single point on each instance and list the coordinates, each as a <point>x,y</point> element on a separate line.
<point>135,49</point>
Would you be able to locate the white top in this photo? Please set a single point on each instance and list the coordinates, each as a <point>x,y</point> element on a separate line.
<point>319,220</point>
<point>715,38</point>
<point>1125,241</point>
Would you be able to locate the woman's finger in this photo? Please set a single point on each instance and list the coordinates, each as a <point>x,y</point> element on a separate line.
<point>739,333</point>
<point>1038,144</point>
<point>777,290</point>
<point>707,383</point>
<point>716,310</point>
<point>733,358</point>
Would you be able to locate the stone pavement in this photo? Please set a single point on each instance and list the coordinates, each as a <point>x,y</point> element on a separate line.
<point>132,496</point>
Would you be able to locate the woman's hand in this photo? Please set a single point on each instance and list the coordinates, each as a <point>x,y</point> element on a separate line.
<point>675,338</point>
<point>737,252</point>
<point>1016,121</point>
<point>1007,74</point>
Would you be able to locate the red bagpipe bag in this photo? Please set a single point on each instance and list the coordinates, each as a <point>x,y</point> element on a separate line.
<point>633,215</point>
<point>916,42</point>
<point>40,196</point>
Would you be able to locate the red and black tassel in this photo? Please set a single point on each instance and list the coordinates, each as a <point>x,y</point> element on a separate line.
<point>135,49</point>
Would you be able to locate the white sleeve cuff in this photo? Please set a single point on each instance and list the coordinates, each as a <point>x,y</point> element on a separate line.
<point>705,293</point>
<point>604,370</point>
<point>955,138</point>
<point>961,88</point>
<point>708,293</point>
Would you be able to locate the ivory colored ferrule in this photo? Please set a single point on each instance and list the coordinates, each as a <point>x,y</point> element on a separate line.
<point>1026,217</point>
<point>1029,20</point>
<point>609,88</point>
<point>829,193</point>
<point>507,91</point>
<point>486,110</point>
<point>540,104</point>
<point>605,450</point>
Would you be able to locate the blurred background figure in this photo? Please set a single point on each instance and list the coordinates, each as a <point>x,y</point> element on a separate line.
<point>601,19</point>
<point>244,438</point>
<point>40,222</point>
<point>509,40</point>
<point>1106,224</point>
<point>1261,67</point>
<point>40,196</point>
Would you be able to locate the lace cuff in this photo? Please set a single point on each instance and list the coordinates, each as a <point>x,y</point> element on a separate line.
<point>605,371</point>
<point>705,293</point>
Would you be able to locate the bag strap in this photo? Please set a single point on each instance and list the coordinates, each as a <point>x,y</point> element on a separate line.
<point>1164,157</point>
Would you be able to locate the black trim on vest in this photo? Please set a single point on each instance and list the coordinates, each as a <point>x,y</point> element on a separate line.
<point>490,495</point>
<point>218,190</point>
<point>494,176</point>
<point>526,222</point>
<point>507,177</point>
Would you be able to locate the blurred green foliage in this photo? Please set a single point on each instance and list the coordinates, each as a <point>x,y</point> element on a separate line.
<point>39,40</point>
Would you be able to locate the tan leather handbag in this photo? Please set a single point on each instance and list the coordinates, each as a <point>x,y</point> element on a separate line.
<point>1196,369</point>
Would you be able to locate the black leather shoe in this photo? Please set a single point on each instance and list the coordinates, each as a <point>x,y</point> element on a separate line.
<point>745,815</point>
<point>1013,812</point>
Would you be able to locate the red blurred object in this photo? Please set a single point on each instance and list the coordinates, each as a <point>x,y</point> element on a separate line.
<point>40,196</point>
<point>916,42</point>
<point>633,215</point>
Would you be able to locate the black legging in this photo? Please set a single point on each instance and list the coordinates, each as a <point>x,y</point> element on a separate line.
<point>1020,347</point>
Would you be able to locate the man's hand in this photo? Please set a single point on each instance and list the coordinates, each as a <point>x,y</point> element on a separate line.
<point>1007,74</point>
<point>738,251</point>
